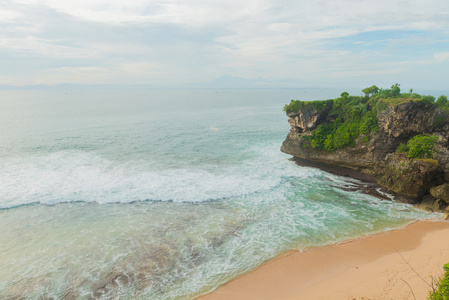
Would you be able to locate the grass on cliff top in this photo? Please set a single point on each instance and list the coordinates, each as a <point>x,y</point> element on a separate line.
<point>349,117</point>
<point>397,101</point>
<point>430,161</point>
<point>390,97</point>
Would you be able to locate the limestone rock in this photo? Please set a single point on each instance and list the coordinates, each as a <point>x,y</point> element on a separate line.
<point>358,156</point>
<point>307,119</point>
<point>408,119</point>
<point>429,203</point>
<point>406,177</point>
<point>441,192</point>
<point>446,214</point>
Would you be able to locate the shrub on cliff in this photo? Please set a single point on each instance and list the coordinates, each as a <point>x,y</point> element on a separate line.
<point>422,146</point>
<point>429,100</point>
<point>442,102</point>
<point>403,148</point>
<point>297,105</point>
<point>442,290</point>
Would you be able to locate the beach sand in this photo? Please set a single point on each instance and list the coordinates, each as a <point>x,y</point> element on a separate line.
<point>398,264</point>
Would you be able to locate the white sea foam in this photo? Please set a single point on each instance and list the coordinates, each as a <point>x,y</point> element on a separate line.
<point>68,176</point>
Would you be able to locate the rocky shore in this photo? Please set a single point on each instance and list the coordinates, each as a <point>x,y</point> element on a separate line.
<point>424,182</point>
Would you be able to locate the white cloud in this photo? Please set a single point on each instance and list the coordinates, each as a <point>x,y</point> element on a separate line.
<point>7,16</point>
<point>198,39</point>
<point>158,11</point>
<point>442,56</point>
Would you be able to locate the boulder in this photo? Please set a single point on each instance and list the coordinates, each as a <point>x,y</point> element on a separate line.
<point>411,178</point>
<point>446,214</point>
<point>441,192</point>
<point>429,203</point>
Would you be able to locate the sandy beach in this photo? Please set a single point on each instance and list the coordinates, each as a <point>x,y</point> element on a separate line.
<point>398,264</point>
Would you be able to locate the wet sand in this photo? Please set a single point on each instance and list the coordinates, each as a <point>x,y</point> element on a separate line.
<point>398,264</point>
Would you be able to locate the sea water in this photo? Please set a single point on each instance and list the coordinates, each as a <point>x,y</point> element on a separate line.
<point>161,194</point>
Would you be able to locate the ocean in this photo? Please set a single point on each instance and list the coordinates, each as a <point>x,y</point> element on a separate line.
<point>162,194</point>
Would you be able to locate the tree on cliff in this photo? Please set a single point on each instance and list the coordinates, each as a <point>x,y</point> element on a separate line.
<point>441,101</point>
<point>370,90</point>
<point>344,95</point>
<point>395,90</point>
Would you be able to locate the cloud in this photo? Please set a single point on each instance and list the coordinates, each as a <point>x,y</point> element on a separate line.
<point>442,56</point>
<point>178,42</point>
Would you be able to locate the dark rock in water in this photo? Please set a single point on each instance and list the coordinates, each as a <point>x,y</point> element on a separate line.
<point>367,185</point>
<point>112,280</point>
<point>409,179</point>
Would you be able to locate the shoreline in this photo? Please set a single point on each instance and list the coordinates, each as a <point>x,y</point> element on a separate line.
<point>396,264</point>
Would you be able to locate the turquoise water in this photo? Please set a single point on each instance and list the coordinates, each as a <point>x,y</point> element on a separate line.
<point>161,194</point>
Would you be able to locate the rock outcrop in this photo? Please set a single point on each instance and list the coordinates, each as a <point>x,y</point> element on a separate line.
<point>307,119</point>
<point>441,192</point>
<point>411,179</point>
<point>410,118</point>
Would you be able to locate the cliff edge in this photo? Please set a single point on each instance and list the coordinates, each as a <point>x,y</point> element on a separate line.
<point>401,139</point>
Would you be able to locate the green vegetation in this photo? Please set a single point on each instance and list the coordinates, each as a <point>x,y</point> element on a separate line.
<point>422,146</point>
<point>430,161</point>
<point>370,90</point>
<point>355,116</point>
<point>296,105</point>
<point>352,116</point>
<point>441,101</point>
<point>442,290</point>
<point>403,148</point>
<point>419,146</point>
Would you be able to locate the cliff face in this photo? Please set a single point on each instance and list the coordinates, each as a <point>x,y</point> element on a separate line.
<point>409,119</point>
<point>360,156</point>
<point>376,155</point>
<point>307,119</point>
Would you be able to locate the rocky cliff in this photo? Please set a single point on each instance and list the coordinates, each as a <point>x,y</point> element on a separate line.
<point>376,153</point>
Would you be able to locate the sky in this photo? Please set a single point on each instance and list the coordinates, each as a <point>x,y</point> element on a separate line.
<point>271,43</point>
